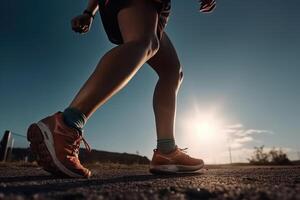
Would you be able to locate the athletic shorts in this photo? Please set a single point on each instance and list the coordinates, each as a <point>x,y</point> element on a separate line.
<point>109,10</point>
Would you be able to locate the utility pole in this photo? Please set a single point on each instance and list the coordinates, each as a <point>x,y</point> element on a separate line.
<point>229,148</point>
<point>230,156</point>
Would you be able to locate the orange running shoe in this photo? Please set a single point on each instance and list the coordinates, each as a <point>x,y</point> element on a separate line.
<point>56,147</point>
<point>175,162</point>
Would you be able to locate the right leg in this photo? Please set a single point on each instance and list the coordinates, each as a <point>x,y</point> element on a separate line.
<point>138,27</point>
<point>55,144</point>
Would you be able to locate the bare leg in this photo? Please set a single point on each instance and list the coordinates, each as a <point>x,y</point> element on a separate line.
<point>168,68</point>
<point>138,27</point>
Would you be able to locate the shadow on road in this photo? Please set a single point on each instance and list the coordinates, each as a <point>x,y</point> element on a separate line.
<point>45,184</point>
<point>26,178</point>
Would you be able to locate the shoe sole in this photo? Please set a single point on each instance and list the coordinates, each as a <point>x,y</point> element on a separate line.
<point>174,169</point>
<point>42,146</point>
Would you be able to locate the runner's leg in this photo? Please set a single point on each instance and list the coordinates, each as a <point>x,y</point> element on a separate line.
<point>168,158</point>
<point>167,66</point>
<point>138,24</point>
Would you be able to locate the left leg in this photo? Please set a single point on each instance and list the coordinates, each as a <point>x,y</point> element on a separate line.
<point>168,68</point>
<point>166,64</point>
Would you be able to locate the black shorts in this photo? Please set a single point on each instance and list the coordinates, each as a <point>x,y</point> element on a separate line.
<point>109,10</point>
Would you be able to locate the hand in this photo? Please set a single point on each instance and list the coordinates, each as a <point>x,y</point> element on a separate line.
<point>207,6</point>
<point>82,23</point>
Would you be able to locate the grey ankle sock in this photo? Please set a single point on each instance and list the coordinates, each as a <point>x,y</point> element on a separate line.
<point>166,145</point>
<point>74,118</point>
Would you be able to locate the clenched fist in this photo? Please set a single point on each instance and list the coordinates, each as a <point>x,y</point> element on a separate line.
<point>82,23</point>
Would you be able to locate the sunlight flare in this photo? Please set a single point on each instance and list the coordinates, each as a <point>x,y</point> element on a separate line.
<point>205,133</point>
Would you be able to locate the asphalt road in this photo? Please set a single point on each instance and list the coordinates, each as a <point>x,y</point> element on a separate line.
<point>121,182</point>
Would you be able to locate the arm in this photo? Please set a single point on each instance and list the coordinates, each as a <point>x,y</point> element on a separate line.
<point>83,22</point>
<point>92,6</point>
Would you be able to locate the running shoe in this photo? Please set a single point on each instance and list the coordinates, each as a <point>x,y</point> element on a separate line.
<point>56,147</point>
<point>177,161</point>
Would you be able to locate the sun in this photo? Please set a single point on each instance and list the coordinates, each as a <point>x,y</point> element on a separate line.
<point>207,128</point>
<point>205,122</point>
<point>204,132</point>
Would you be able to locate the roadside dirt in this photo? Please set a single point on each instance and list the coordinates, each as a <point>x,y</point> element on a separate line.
<point>135,182</point>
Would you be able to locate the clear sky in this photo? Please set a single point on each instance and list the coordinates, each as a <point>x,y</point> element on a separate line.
<point>241,86</point>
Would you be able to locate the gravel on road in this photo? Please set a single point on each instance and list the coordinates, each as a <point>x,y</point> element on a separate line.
<point>135,182</point>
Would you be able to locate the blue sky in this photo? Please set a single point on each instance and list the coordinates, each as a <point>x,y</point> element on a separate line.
<point>241,66</point>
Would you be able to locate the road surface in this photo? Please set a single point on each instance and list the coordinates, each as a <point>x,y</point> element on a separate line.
<point>134,182</point>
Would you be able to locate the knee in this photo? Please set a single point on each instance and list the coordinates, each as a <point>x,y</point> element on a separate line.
<point>174,77</point>
<point>181,77</point>
<point>150,44</point>
<point>178,78</point>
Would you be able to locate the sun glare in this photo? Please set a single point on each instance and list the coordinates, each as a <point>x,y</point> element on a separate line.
<point>205,134</point>
<point>206,127</point>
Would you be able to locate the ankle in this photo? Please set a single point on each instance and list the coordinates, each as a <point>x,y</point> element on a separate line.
<point>74,118</point>
<point>166,146</point>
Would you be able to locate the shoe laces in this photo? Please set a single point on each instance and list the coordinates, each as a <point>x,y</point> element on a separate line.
<point>184,151</point>
<point>77,142</point>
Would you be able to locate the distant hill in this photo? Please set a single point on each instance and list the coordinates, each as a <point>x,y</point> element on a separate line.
<point>94,156</point>
<point>105,156</point>
<point>296,162</point>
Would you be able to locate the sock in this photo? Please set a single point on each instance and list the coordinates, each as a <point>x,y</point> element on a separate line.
<point>74,118</point>
<point>166,146</point>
